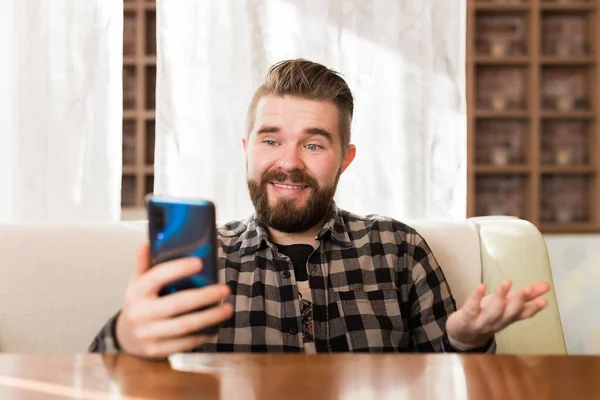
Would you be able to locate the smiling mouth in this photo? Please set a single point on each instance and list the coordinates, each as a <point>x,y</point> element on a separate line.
<point>289,185</point>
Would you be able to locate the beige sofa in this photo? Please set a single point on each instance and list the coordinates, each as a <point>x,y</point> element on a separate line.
<point>60,283</point>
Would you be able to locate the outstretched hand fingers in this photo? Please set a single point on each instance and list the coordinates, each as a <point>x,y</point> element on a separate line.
<point>532,308</point>
<point>495,305</point>
<point>472,305</point>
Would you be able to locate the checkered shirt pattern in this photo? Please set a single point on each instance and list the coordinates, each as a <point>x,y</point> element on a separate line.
<point>375,284</point>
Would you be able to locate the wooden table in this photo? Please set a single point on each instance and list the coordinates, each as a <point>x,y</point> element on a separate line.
<point>306,377</point>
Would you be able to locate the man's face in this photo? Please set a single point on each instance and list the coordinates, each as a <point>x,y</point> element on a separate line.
<point>294,160</point>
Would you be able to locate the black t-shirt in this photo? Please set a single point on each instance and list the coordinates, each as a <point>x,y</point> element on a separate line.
<point>299,254</point>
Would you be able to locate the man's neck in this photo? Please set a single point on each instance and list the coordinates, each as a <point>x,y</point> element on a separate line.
<point>285,239</point>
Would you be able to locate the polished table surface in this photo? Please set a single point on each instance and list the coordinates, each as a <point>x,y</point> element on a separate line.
<point>306,377</point>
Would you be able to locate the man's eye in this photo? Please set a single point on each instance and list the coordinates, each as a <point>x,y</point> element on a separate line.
<point>270,142</point>
<point>313,147</point>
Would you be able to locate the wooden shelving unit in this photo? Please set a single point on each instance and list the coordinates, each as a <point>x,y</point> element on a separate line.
<point>139,77</point>
<point>533,112</point>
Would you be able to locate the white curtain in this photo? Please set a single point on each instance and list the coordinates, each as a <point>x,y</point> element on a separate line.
<point>60,110</point>
<point>403,59</point>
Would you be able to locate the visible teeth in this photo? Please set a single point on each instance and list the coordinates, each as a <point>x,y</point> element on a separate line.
<point>287,186</point>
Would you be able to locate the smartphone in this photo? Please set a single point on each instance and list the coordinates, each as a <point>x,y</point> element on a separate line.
<point>181,228</point>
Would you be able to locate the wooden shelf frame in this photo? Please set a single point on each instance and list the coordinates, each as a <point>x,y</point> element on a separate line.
<point>144,62</point>
<point>534,116</point>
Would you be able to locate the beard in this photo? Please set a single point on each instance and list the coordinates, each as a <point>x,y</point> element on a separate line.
<point>285,215</point>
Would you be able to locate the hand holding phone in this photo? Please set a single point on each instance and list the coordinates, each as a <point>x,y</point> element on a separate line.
<point>172,303</point>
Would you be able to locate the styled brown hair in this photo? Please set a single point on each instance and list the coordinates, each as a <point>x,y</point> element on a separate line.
<point>307,80</point>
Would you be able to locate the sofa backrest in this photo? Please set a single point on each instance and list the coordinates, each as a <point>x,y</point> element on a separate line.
<point>60,283</point>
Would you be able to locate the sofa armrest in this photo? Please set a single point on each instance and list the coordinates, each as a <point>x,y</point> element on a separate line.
<point>514,249</point>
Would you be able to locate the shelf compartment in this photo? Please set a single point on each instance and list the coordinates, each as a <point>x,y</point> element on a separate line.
<point>565,35</point>
<point>129,88</point>
<point>150,142</point>
<point>501,89</point>
<point>150,36</point>
<point>501,142</point>
<point>129,32</point>
<point>565,142</point>
<point>566,89</point>
<point>505,194</point>
<point>128,191</point>
<point>129,146</point>
<point>566,198</point>
<point>502,34</point>
<point>150,88</point>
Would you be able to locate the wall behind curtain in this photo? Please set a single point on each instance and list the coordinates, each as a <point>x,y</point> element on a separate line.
<point>60,110</point>
<point>403,59</point>
<point>575,263</point>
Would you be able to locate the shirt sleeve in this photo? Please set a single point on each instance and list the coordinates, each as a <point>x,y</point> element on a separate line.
<point>430,300</point>
<point>489,348</point>
<point>106,340</point>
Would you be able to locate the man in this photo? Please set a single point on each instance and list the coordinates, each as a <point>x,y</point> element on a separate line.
<point>302,274</point>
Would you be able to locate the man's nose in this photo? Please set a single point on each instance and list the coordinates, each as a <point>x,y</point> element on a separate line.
<point>291,159</point>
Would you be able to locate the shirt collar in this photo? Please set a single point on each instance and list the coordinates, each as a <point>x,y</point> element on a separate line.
<point>335,228</point>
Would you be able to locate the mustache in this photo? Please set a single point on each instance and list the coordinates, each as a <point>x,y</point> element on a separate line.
<point>295,176</point>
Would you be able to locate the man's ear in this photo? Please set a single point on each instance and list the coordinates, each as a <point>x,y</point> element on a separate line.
<point>244,143</point>
<point>349,156</point>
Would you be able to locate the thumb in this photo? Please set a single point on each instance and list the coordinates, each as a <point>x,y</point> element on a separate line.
<point>472,305</point>
<point>143,261</point>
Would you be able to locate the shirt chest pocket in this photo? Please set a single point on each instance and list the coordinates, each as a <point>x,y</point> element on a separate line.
<point>373,320</point>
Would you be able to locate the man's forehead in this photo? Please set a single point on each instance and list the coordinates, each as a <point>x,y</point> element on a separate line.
<point>293,110</point>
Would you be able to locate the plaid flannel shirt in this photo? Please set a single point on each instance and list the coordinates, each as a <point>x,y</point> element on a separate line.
<point>375,284</point>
